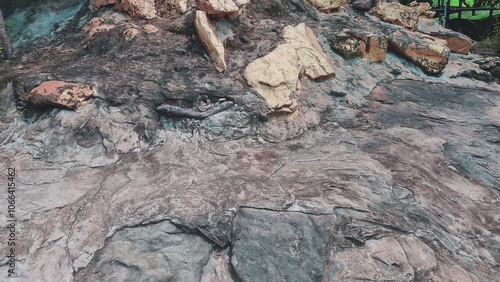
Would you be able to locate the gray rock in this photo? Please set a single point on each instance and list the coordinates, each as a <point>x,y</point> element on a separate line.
<point>154,252</point>
<point>285,246</point>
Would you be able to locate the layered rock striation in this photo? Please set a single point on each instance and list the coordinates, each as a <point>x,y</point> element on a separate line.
<point>175,170</point>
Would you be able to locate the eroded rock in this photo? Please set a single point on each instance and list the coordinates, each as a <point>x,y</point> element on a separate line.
<point>149,28</point>
<point>207,34</point>
<point>166,8</point>
<point>100,3</point>
<point>139,8</point>
<point>457,42</point>
<point>422,9</point>
<point>221,8</point>
<point>396,13</point>
<point>276,75</point>
<point>326,5</point>
<point>429,53</point>
<point>60,94</point>
<point>348,46</point>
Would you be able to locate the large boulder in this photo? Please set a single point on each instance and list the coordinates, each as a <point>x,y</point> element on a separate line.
<point>429,53</point>
<point>139,8</point>
<point>396,13</point>
<point>326,5</point>
<point>207,34</point>
<point>222,7</point>
<point>457,42</point>
<point>276,76</point>
<point>60,94</point>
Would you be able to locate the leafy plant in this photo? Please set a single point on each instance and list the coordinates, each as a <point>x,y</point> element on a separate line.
<point>491,42</point>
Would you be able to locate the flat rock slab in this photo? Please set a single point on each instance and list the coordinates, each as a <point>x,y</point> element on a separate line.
<point>429,53</point>
<point>60,94</point>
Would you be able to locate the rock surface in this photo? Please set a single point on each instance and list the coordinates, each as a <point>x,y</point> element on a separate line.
<point>326,5</point>
<point>139,8</point>
<point>221,8</point>
<point>429,53</point>
<point>60,94</point>
<point>383,163</point>
<point>457,42</point>
<point>207,34</point>
<point>396,13</point>
<point>276,76</point>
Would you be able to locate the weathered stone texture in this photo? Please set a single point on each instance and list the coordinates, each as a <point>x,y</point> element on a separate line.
<point>397,14</point>
<point>326,5</point>
<point>276,75</point>
<point>207,34</point>
<point>429,53</point>
<point>61,94</point>
<point>457,42</point>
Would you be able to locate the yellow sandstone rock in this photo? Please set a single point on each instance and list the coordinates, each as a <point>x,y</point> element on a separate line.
<point>221,7</point>
<point>326,5</point>
<point>276,76</point>
<point>396,13</point>
<point>207,34</point>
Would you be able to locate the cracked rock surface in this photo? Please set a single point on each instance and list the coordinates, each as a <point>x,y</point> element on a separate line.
<point>383,172</point>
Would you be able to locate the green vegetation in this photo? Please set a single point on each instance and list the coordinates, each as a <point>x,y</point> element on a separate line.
<point>490,43</point>
<point>478,15</point>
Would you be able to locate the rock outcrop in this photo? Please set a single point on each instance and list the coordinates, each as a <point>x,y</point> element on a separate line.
<point>429,53</point>
<point>357,43</point>
<point>457,42</point>
<point>170,8</point>
<point>348,46</point>
<point>100,3</point>
<point>384,172</point>
<point>139,8</point>
<point>221,8</point>
<point>396,13</point>
<point>60,94</point>
<point>326,5</point>
<point>149,28</point>
<point>207,34</point>
<point>276,76</point>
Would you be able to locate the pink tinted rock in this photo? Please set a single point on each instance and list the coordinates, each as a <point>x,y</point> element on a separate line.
<point>60,94</point>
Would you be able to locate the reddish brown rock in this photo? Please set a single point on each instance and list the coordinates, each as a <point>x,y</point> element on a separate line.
<point>130,33</point>
<point>376,48</point>
<point>429,53</point>
<point>149,28</point>
<point>92,23</point>
<point>99,3</point>
<point>359,43</point>
<point>139,8</point>
<point>60,94</point>
<point>422,9</point>
<point>457,42</point>
<point>100,28</point>
<point>396,13</point>
<point>348,46</point>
